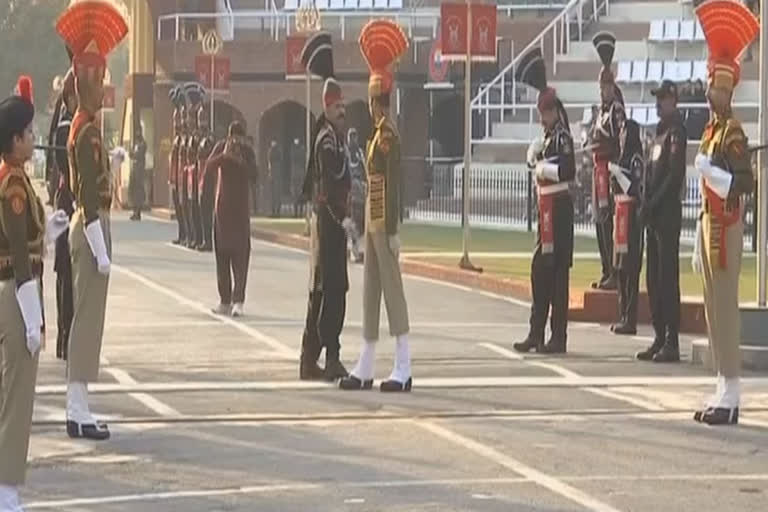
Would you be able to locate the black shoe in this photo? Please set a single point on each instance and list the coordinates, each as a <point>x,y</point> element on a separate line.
<point>179,241</point>
<point>310,371</point>
<point>352,383</point>
<point>334,370</point>
<point>552,347</point>
<point>715,416</point>
<point>698,416</point>
<point>528,345</point>
<point>624,329</point>
<point>667,354</point>
<point>205,248</point>
<point>97,432</point>
<point>395,386</point>
<point>647,354</point>
<point>609,284</point>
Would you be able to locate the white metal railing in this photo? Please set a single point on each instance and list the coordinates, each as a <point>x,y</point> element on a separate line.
<point>281,21</point>
<point>494,95</point>
<point>532,122</point>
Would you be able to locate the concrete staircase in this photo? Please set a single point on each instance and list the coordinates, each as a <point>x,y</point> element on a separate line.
<point>577,71</point>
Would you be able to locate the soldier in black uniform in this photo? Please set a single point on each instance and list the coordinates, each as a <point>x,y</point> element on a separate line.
<point>206,180</point>
<point>553,163</point>
<point>330,184</point>
<point>175,166</point>
<point>195,97</point>
<point>662,215</point>
<point>64,200</point>
<point>628,190</point>
<point>605,137</point>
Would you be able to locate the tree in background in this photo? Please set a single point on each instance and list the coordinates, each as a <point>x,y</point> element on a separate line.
<point>32,47</point>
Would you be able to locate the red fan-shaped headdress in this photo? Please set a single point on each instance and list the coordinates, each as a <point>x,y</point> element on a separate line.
<point>91,29</point>
<point>382,42</point>
<point>729,28</point>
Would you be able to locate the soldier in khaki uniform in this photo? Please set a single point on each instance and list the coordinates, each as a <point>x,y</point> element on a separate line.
<point>91,30</point>
<point>22,331</point>
<point>726,176</point>
<point>382,42</point>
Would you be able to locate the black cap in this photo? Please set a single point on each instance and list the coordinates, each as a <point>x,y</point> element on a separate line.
<point>317,55</point>
<point>667,88</point>
<point>531,70</point>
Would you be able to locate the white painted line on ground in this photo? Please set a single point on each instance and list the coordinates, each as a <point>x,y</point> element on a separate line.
<point>201,308</point>
<point>394,484</point>
<point>424,382</point>
<point>560,370</point>
<point>509,354</point>
<point>148,401</point>
<point>502,351</point>
<point>544,480</point>
<point>637,402</point>
<point>300,323</point>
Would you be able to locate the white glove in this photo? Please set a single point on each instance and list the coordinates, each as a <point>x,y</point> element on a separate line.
<point>621,178</point>
<point>394,244</point>
<point>718,179</point>
<point>28,297</point>
<point>536,147</point>
<point>58,223</point>
<point>99,249</point>
<point>696,264</point>
<point>547,171</point>
<point>347,224</point>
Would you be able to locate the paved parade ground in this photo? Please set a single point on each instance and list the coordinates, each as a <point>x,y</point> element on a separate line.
<point>207,413</point>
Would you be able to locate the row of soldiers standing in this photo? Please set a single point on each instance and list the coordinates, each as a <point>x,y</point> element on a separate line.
<point>631,196</point>
<point>192,189</point>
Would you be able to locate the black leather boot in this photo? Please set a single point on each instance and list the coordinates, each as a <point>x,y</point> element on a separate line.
<point>647,354</point>
<point>528,345</point>
<point>334,370</point>
<point>554,346</point>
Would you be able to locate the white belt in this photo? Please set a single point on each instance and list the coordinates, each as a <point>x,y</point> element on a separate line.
<point>624,198</point>
<point>547,190</point>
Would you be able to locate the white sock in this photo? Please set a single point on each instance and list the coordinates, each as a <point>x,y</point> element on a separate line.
<point>77,403</point>
<point>365,366</point>
<point>9,499</point>
<point>402,369</point>
<point>719,390</point>
<point>731,395</point>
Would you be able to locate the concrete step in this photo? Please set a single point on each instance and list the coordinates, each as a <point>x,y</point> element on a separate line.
<point>577,91</point>
<point>645,11</point>
<point>753,357</point>
<point>584,51</point>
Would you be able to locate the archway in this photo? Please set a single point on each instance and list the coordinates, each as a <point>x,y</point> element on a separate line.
<point>284,126</point>
<point>224,115</point>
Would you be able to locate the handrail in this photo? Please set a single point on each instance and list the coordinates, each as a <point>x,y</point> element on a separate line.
<point>282,17</point>
<point>538,40</point>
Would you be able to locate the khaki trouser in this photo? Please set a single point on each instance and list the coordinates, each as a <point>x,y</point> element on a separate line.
<point>89,289</point>
<point>18,371</point>
<point>721,299</point>
<point>382,274</point>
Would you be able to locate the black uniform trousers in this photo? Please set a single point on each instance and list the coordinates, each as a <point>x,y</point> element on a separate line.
<point>663,276</point>
<point>179,209</point>
<point>628,268</point>
<point>232,261</point>
<point>325,320</point>
<point>194,223</point>
<point>550,274</point>
<point>137,190</point>
<point>328,298</point>
<point>207,203</point>
<point>604,228</point>
<point>65,307</point>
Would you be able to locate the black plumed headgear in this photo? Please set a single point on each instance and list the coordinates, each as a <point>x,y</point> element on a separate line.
<point>605,45</point>
<point>317,58</point>
<point>16,112</point>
